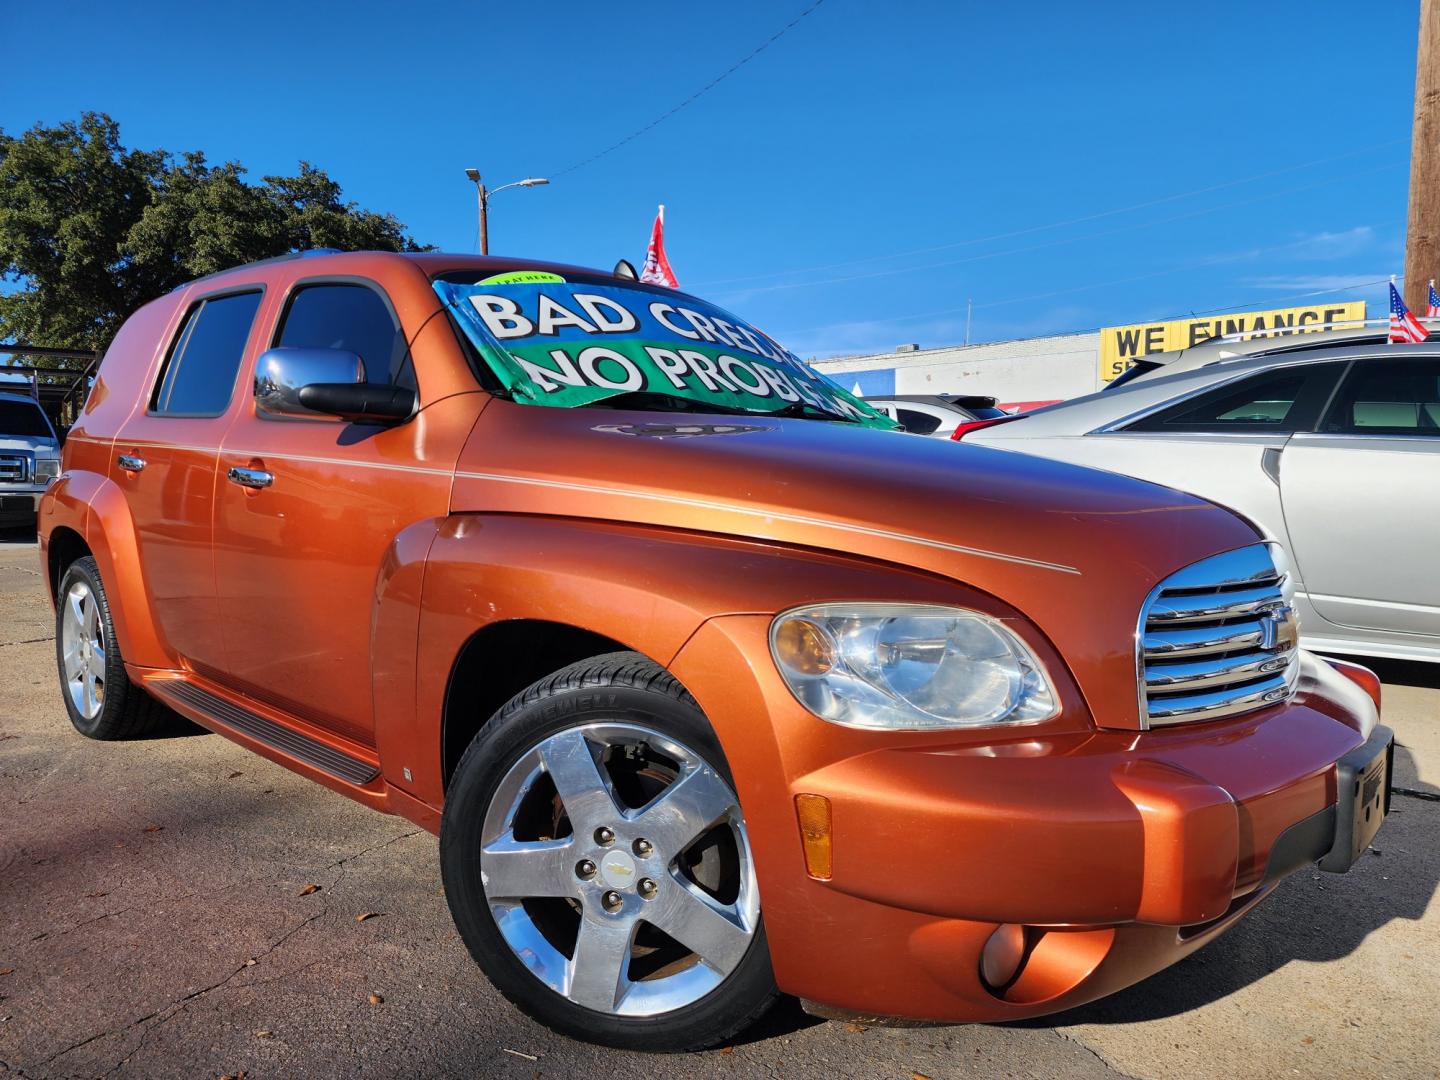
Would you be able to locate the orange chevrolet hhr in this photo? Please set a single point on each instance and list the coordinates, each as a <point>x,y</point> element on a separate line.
<point>712,687</point>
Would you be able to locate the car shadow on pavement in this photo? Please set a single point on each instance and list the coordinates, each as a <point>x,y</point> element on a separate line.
<point>1312,917</point>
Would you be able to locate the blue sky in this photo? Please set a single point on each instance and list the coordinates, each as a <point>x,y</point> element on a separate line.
<point>849,188</point>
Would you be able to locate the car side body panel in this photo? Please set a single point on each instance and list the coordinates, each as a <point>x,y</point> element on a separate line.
<point>1382,487</point>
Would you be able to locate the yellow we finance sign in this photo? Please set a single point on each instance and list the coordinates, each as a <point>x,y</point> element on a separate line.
<point>1121,345</point>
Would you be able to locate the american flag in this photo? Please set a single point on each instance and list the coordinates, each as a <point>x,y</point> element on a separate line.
<point>1434,312</point>
<point>1404,326</point>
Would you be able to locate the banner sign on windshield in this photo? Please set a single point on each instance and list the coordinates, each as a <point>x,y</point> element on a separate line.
<point>553,342</point>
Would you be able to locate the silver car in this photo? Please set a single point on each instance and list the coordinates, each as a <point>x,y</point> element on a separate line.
<point>1332,448</point>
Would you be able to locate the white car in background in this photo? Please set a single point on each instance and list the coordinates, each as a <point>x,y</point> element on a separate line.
<point>1331,447</point>
<point>936,415</point>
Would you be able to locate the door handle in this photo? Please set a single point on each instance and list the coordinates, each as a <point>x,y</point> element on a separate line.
<point>250,478</point>
<point>130,463</point>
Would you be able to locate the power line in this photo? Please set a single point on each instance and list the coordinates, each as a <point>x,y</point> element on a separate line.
<point>1061,224</point>
<point>1030,249</point>
<point>1339,289</point>
<point>690,100</point>
<point>1211,261</point>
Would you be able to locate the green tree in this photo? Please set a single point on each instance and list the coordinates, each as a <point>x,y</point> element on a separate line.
<point>90,230</point>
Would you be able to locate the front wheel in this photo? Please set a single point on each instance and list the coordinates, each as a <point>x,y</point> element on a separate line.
<point>597,866</point>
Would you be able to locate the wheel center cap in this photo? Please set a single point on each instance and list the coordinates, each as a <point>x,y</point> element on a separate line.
<point>617,870</point>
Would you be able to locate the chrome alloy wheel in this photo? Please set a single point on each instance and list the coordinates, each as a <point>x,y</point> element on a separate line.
<point>616,866</point>
<point>83,639</point>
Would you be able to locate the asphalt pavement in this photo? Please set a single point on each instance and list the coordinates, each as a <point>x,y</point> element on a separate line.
<point>182,908</point>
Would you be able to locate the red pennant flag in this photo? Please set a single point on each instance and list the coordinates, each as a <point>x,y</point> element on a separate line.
<point>657,267</point>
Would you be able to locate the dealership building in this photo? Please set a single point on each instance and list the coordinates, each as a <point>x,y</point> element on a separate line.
<point>1028,370</point>
<point>1032,370</point>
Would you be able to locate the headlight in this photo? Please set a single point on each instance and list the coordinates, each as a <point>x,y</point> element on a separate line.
<point>46,469</point>
<point>909,666</point>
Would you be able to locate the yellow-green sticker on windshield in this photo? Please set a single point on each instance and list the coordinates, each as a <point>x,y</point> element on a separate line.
<point>522,277</point>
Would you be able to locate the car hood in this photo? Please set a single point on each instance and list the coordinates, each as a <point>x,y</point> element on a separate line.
<point>1074,549</point>
<point>33,443</point>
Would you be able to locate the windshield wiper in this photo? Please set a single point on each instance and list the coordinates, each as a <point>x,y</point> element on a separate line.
<point>659,401</point>
<point>805,411</point>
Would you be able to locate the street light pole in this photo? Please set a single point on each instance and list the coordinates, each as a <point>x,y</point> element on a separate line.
<point>482,196</point>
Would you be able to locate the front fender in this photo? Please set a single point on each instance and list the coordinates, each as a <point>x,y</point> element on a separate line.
<point>647,587</point>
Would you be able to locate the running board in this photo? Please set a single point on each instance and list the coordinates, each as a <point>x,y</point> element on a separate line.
<point>286,740</point>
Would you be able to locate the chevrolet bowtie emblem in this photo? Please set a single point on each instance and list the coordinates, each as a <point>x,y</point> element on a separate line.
<point>1278,631</point>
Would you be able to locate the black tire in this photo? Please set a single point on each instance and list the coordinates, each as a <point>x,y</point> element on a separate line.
<point>637,689</point>
<point>127,711</point>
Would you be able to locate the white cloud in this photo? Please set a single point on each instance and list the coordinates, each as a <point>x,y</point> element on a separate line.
<point>1334,245</point>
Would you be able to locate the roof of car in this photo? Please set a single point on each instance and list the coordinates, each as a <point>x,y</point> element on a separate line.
<point>1104,408</point>
<point>924,399</point>
<point>433,263</point>
<point>1222,350</point>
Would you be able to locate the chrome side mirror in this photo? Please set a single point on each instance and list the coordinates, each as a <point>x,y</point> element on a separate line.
<point>281,373</point>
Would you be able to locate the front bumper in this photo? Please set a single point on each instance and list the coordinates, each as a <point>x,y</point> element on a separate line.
<point>20,504</point>
<point>1119,852</point>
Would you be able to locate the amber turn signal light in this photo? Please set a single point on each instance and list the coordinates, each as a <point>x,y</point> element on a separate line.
<point>1361,676</point>
<point>814,814</point>
<point>803,647</point>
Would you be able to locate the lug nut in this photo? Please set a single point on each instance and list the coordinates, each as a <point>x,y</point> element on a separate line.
<point>646,889</point>
<point>612,900</point>
<point>585,869</point>
<point>643,847</point>
<point>604,835</point>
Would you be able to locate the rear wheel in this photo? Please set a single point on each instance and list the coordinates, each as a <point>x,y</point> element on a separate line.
<point>596,862</point>
<point>102,701</point>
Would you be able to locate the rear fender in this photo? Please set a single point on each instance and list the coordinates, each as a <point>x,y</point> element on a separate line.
<point>109,530</point>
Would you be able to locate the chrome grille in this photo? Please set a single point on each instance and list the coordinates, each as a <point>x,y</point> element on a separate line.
<point>14,468</point>
<point>1218,638</point>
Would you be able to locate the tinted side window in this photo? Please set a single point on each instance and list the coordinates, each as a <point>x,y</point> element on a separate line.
<point>1388,397</point>
<point>350,317</point>
<point>1285,400</point>
<point>918,423</point>
<point>200,371</point>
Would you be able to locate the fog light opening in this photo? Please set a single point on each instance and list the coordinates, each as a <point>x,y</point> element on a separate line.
<point>1003,956</point>
<point>813,812</point>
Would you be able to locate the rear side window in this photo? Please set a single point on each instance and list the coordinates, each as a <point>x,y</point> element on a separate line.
<point>916,422</point>
<point>1285,400</point>
<point>200,371</point>
<point>23,419</point>
<point>351,317</point>
<point>1385,397</point>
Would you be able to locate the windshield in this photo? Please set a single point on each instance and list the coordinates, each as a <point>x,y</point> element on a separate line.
<point>23,419</point>
<point>567,344</point>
